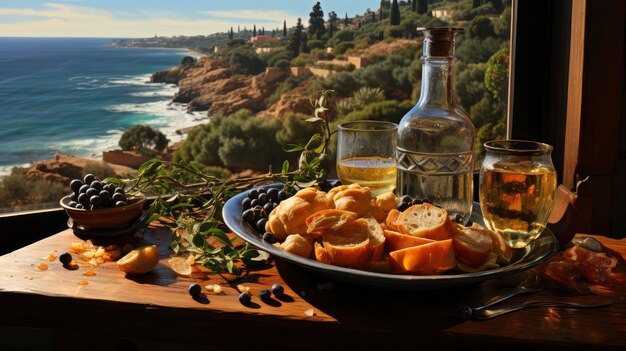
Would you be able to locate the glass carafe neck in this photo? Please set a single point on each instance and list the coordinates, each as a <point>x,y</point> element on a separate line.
<point>437,83</point>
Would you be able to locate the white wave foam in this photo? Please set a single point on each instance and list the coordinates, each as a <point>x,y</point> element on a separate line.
<point>164,90</point>
<point>131,80</point>
<point>170,116</point>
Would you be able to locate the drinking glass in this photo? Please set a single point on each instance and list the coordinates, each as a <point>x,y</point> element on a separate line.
<point>366,154</point>
<point>517,187</point>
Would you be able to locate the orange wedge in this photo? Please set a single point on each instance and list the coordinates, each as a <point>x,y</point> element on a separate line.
<point>398,241</point>
<point>432,258</point>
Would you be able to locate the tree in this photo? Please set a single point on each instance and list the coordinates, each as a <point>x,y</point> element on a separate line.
<point>497,74</point>
<point>284,28</point>
<point>244,60</point>
<point>381,11</point>
<point>188,61</point>
<point>422,6</point>
<point>273,32</point>
<point>254,31</point>
<point>476,3</point>
<point>414,6</point>
<point>143,139</point>
<point>480,27</point>
<point>394,17</point>
<point>263,31</point>
<point>346,21</point>
<point>373,16</point>
<point>332,19</point>
<point>296,39</point>
<point>230,34</point>
<point>238,29</point>
<point>316,21</point>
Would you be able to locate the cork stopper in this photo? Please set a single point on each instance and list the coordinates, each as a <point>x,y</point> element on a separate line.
<point>439,42</point>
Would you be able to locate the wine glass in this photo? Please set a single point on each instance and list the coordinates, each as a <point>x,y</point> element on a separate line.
<point>517,187</point>
<point>366,154</point>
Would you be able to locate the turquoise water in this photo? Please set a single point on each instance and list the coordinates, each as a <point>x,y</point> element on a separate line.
<point>77,96</point>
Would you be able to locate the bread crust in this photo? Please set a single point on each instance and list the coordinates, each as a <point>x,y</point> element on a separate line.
<point>413,221</point>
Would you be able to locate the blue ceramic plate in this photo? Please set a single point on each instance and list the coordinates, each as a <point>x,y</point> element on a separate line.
<point>538,251</point>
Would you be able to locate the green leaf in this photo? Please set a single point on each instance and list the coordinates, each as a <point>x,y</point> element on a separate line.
<point>113,180</point>
<point>181,205</point>
<point>285,167</point>
<point>222,237</point>
<point>199,241</point>
<point>292,147</point>
<point>250,254</point>
<point>149,168</point>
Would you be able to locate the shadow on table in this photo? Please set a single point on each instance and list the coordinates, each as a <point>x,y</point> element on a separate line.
<point>377,308</point>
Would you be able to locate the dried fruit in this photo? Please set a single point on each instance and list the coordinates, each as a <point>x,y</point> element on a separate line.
<point>89,273</point>
<point>310,312</point>
<point>50,258</point>
<point>83,282</point>
<point>214,288</point>
<point>42,266</point>
<point>180,266</point>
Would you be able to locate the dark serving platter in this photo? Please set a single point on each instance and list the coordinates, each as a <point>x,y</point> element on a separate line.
<point>538,251</point>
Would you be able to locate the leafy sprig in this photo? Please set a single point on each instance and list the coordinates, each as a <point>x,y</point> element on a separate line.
<point>189,202</point>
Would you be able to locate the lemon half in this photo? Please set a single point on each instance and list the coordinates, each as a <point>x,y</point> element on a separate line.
<point>140,260</point>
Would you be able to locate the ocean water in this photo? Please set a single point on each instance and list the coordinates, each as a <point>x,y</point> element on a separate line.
<point>77,96</point>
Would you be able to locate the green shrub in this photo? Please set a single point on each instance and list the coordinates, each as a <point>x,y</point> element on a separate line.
<point>100,169</point>
<point>282,64</point>
<point>388,110</point>
<point>367,95</point>
<point>395,32</point>
<point>343,47</point>
<point>188,61</point>
<point>244,60</point>
<point>315,44</point>
<point>18,191</point>
<point>143,139</point>
<point>299,62</point>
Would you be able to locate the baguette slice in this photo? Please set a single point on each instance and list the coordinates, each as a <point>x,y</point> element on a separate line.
<point>321,255</point>
<point>432,258</point>
<point>328,221</point>
<point>350,245</point>
<point>425,221</point>
<point>376,237</point>
<point>472,246</point>
<point>392,219</point>
<point>398,241</point>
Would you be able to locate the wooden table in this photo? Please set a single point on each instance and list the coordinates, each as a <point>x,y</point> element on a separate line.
<point>155,312</point>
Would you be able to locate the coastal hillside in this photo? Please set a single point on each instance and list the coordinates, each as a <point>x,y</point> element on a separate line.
<point>371,61</point>
<point>252,88</point>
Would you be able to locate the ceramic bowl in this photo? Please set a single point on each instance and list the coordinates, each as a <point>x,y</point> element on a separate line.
<point>105,218</point>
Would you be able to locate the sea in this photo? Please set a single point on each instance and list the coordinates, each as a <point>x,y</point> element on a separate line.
<point>78,95</point>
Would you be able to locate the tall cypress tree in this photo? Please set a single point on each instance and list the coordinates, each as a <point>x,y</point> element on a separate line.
<point>381,11</point>
<point>284,28</point>
<point>394,17</point>
<point>231,34</point>
<point>422,6</point>
<point>263,31</point>
<point>332,19</point>
<point>296,39</point>
<point>316,21</point>
<point>345,20</point>
<point>254,31</point>
<point>373,16</point>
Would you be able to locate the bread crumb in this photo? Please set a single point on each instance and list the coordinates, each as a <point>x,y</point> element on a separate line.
<point>242,288</point>
<point>309,312</point>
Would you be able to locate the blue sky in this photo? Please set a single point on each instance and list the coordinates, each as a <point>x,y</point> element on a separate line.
<point>143,18</point>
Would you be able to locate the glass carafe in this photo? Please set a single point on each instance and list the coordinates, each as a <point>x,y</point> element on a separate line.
<point>436,138</point>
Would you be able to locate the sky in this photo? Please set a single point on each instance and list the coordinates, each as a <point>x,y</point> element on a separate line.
<point>146,18</point>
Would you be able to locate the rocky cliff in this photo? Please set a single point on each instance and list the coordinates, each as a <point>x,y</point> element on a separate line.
<point>209,85</point>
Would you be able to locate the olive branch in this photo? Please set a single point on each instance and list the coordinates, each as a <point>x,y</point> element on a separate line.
<point>189,203</point>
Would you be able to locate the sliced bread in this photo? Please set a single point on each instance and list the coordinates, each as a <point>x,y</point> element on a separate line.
<point>328,221</point>
<point>425,221</point>
<point>471,246</point>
